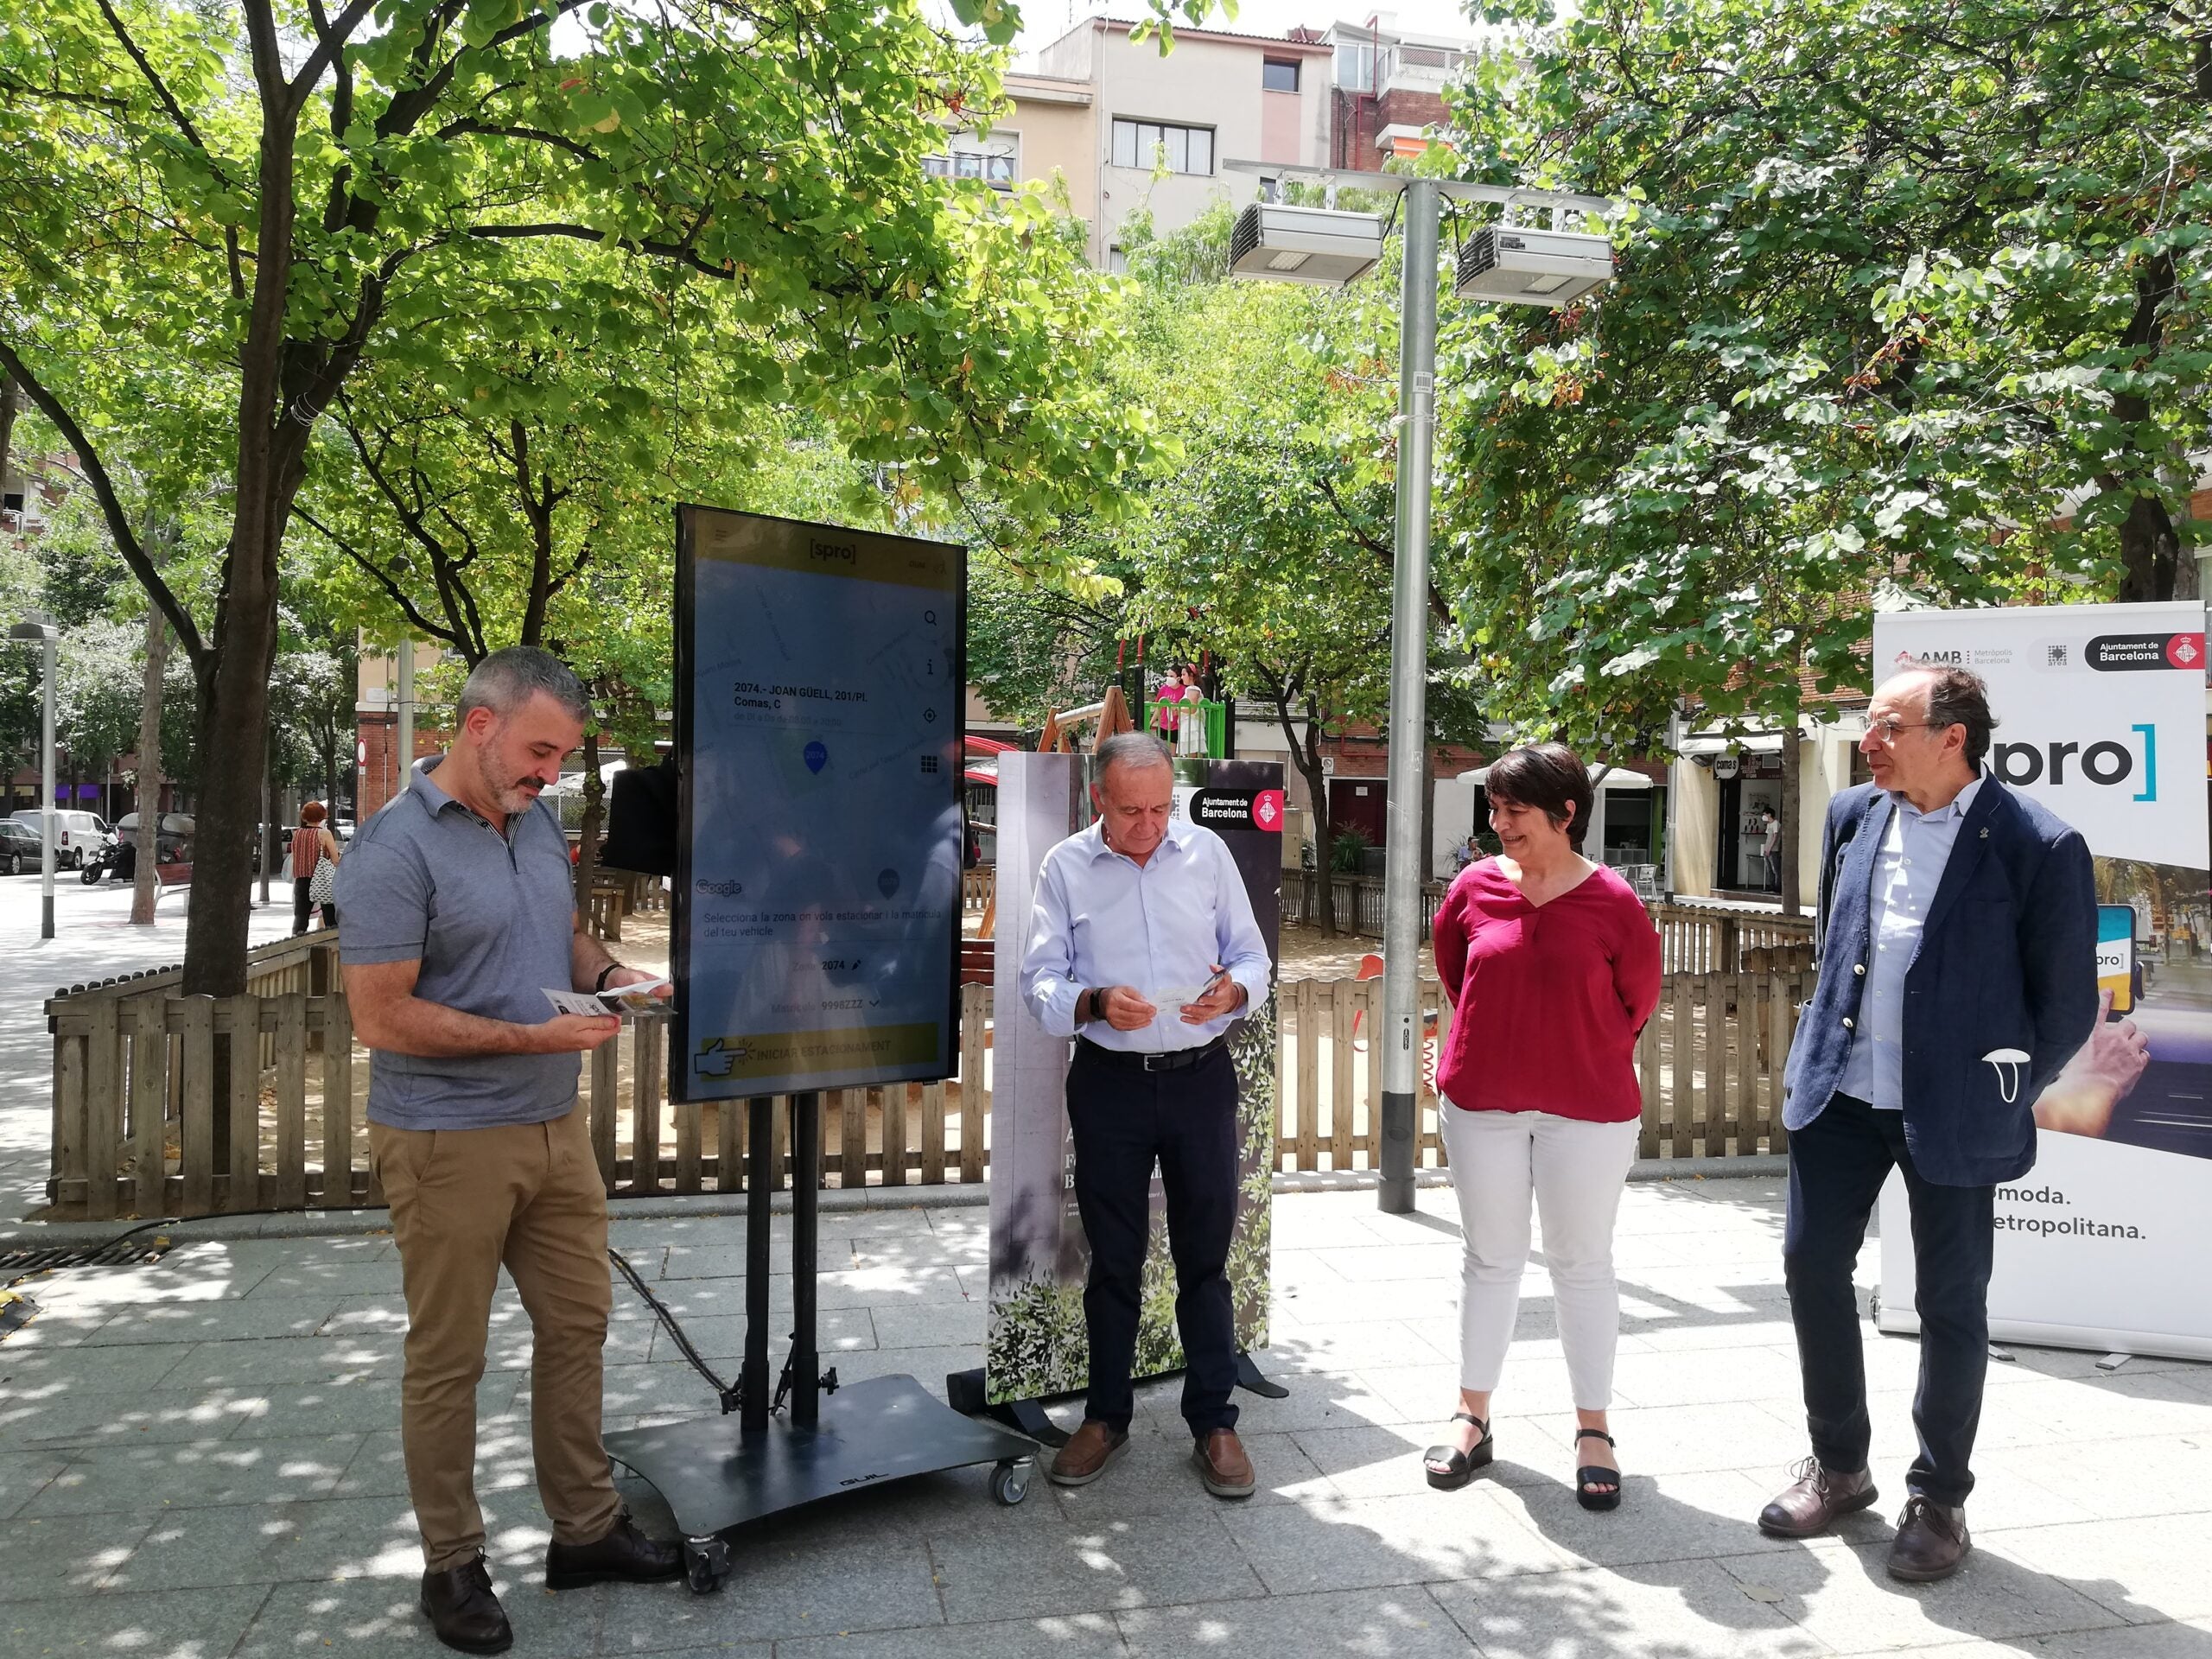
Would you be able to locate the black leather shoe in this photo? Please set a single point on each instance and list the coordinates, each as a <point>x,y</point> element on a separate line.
<point>624,1554</point>
<point>462,1609</point>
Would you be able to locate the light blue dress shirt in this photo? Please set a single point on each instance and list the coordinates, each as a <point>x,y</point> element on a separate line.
<point>1915,848</point>
<point>1101,918</point>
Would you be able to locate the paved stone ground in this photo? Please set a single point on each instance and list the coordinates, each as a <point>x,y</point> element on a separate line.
<point>199,1459</point>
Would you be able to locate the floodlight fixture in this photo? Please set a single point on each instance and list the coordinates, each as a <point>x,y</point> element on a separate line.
<point>1323,246</point>
<point>1524,266</point>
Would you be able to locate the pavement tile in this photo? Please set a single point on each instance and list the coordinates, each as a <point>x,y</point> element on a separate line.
<point>1669,1518</point>
<point>1689,1610</point>
<point>276,1361</point>
<point>1843,1595</point>
<point>1757,1375</point>
<point>190,1548</point>
<point>224,1321</point>
<point>384,1313</point>
<point>176,1624</point>
<point>1396,1623</point>
<point>2144,1570</point>
<point>334,1279</point>
<point>1155,1475</point>
<point>32,1375</point>
<point>1333,1544</point>
<point>898,1326</point>
<point>23,1475</point>
<point>145,1479</point>
<point>2116,1480</point>
<point>1085,1635</point>
<point>360,1407</point>
<point>929,1366</point>
<point>148,1419</point>
<point>181,1276</point>
<point>378,1619</point>
<point>776,1591</point>
<point>64,1555</point>
<point>1153,1560</point>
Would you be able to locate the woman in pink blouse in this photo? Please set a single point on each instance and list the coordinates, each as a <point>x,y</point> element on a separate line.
<point>1552,967</point>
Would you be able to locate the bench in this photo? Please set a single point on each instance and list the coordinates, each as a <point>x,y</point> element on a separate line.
<point>172,877</point>
<point>978,962</point>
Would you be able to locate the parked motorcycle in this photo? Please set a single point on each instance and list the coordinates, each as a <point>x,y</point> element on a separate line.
<point>97,863</point>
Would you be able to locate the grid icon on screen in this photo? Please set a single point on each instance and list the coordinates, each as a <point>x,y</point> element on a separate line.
<point>929,763</point>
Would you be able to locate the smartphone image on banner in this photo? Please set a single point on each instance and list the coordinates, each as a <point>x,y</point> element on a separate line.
<point>2116,955</point>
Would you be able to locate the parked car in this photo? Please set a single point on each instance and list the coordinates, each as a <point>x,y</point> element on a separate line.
<point>21,848</point>
<point>75,833</point>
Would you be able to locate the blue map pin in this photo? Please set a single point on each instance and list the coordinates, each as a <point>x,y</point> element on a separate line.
<point>887,882</point>
<point>817,756</point>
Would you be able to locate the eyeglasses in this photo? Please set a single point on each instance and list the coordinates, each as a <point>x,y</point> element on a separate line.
<point>1884,731</point>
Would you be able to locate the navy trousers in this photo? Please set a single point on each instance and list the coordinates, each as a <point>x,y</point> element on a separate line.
<point>1124,1120</point>
<point>1837,1165</point>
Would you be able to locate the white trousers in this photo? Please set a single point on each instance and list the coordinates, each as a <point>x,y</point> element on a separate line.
<point>1577,1170</point>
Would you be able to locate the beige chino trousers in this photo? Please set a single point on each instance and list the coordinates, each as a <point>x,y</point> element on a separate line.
<point>464,1202</point>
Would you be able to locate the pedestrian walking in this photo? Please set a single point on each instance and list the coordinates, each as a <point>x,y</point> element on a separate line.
<point>314,856</point>
<point>1143,948</point>
<point>1957,941</point>
<point>1552,967</point>
<point>459,914</point>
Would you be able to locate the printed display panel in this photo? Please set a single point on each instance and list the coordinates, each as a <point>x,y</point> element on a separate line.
<point>817,914</point>
<point>2101,713</point>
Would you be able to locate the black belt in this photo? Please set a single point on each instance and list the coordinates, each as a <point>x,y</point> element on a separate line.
<point>1174,1059</point>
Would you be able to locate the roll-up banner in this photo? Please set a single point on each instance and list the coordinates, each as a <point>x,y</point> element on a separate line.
<point>2101,712</point>
<point>818,706</point>
<point>1036,1346</point>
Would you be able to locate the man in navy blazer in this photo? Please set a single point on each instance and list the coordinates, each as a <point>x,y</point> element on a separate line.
<point>1957,954</point>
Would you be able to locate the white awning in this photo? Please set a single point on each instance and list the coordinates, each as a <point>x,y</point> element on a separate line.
<point>1618,778</point>
<point>1756,743</point>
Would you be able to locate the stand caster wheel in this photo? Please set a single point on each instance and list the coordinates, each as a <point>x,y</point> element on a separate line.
<point>706,1563</point>
<point>1010,1480</point>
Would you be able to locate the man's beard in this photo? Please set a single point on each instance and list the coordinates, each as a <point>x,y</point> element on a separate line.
<point>517,798</point>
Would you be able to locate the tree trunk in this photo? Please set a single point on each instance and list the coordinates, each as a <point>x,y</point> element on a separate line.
<point>1792,775</point>
<point>149,765</point>
<point>8,434</point>
<point>587,841</point>
<point>2149,549</point>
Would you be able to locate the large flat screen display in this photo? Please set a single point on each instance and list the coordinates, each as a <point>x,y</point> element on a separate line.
<point>818,726</point>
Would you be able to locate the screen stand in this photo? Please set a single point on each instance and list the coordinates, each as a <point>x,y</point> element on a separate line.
<point>831,1441</point>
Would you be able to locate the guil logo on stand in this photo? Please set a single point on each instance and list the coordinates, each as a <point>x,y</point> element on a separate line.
<point>2107,764</point>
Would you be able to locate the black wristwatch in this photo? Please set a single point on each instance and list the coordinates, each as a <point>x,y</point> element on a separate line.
<point>1090,997</point>
<point>599,984</point>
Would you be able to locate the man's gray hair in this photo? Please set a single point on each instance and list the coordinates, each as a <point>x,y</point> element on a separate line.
<point>505,680</point>
<point>1957,696</point>
<point>1135,750</point>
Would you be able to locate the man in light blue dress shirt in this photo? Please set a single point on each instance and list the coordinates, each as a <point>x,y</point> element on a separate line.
<point>1143,948</point>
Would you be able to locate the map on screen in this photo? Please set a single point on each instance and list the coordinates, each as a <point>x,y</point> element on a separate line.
<point>818,916</point>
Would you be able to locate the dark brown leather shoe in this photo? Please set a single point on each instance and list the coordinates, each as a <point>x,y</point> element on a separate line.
<point>625,1555</point>
<point>1931,1542</point>
<point>1085,1456</point>
<point>1222,1466</point>
<point>462,1609</point>
<point>1815,1499</point>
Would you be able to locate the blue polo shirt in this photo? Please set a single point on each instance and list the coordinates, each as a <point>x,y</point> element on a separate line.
<point>490,918</point>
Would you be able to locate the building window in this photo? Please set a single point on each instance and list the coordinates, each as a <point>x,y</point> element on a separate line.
<point>994,161</point>
<point>1140,143</point>
<point>1278,74</point>
<point>1117,261</point>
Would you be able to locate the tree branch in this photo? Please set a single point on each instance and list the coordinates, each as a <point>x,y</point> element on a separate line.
<point>416,618</point>
<point>110,505</point>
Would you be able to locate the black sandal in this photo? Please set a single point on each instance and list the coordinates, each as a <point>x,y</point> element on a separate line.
<point>1459,1466</point>
<point>1596,1475</point>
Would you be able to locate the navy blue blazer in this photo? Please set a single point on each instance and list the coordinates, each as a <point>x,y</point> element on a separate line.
<point>2007,961</point>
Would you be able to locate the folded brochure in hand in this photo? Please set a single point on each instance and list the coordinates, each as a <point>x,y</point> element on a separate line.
<point>617,999</point>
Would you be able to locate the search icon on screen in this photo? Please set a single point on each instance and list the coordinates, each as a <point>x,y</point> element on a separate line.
<point>929,616</point>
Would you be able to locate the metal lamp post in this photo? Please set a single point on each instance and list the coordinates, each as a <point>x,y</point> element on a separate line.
<point>47,635</point>
<point>1254,256</point>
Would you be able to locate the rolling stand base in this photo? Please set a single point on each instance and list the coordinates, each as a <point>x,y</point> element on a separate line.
<point>715,1477</point>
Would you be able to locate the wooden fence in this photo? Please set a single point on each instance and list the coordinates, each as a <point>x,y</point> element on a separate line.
<point>1357,900</point>
<point>1722,940</point>
<point>152,1117</point>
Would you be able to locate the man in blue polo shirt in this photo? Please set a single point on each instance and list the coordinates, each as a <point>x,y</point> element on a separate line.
<point>460,914</point>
